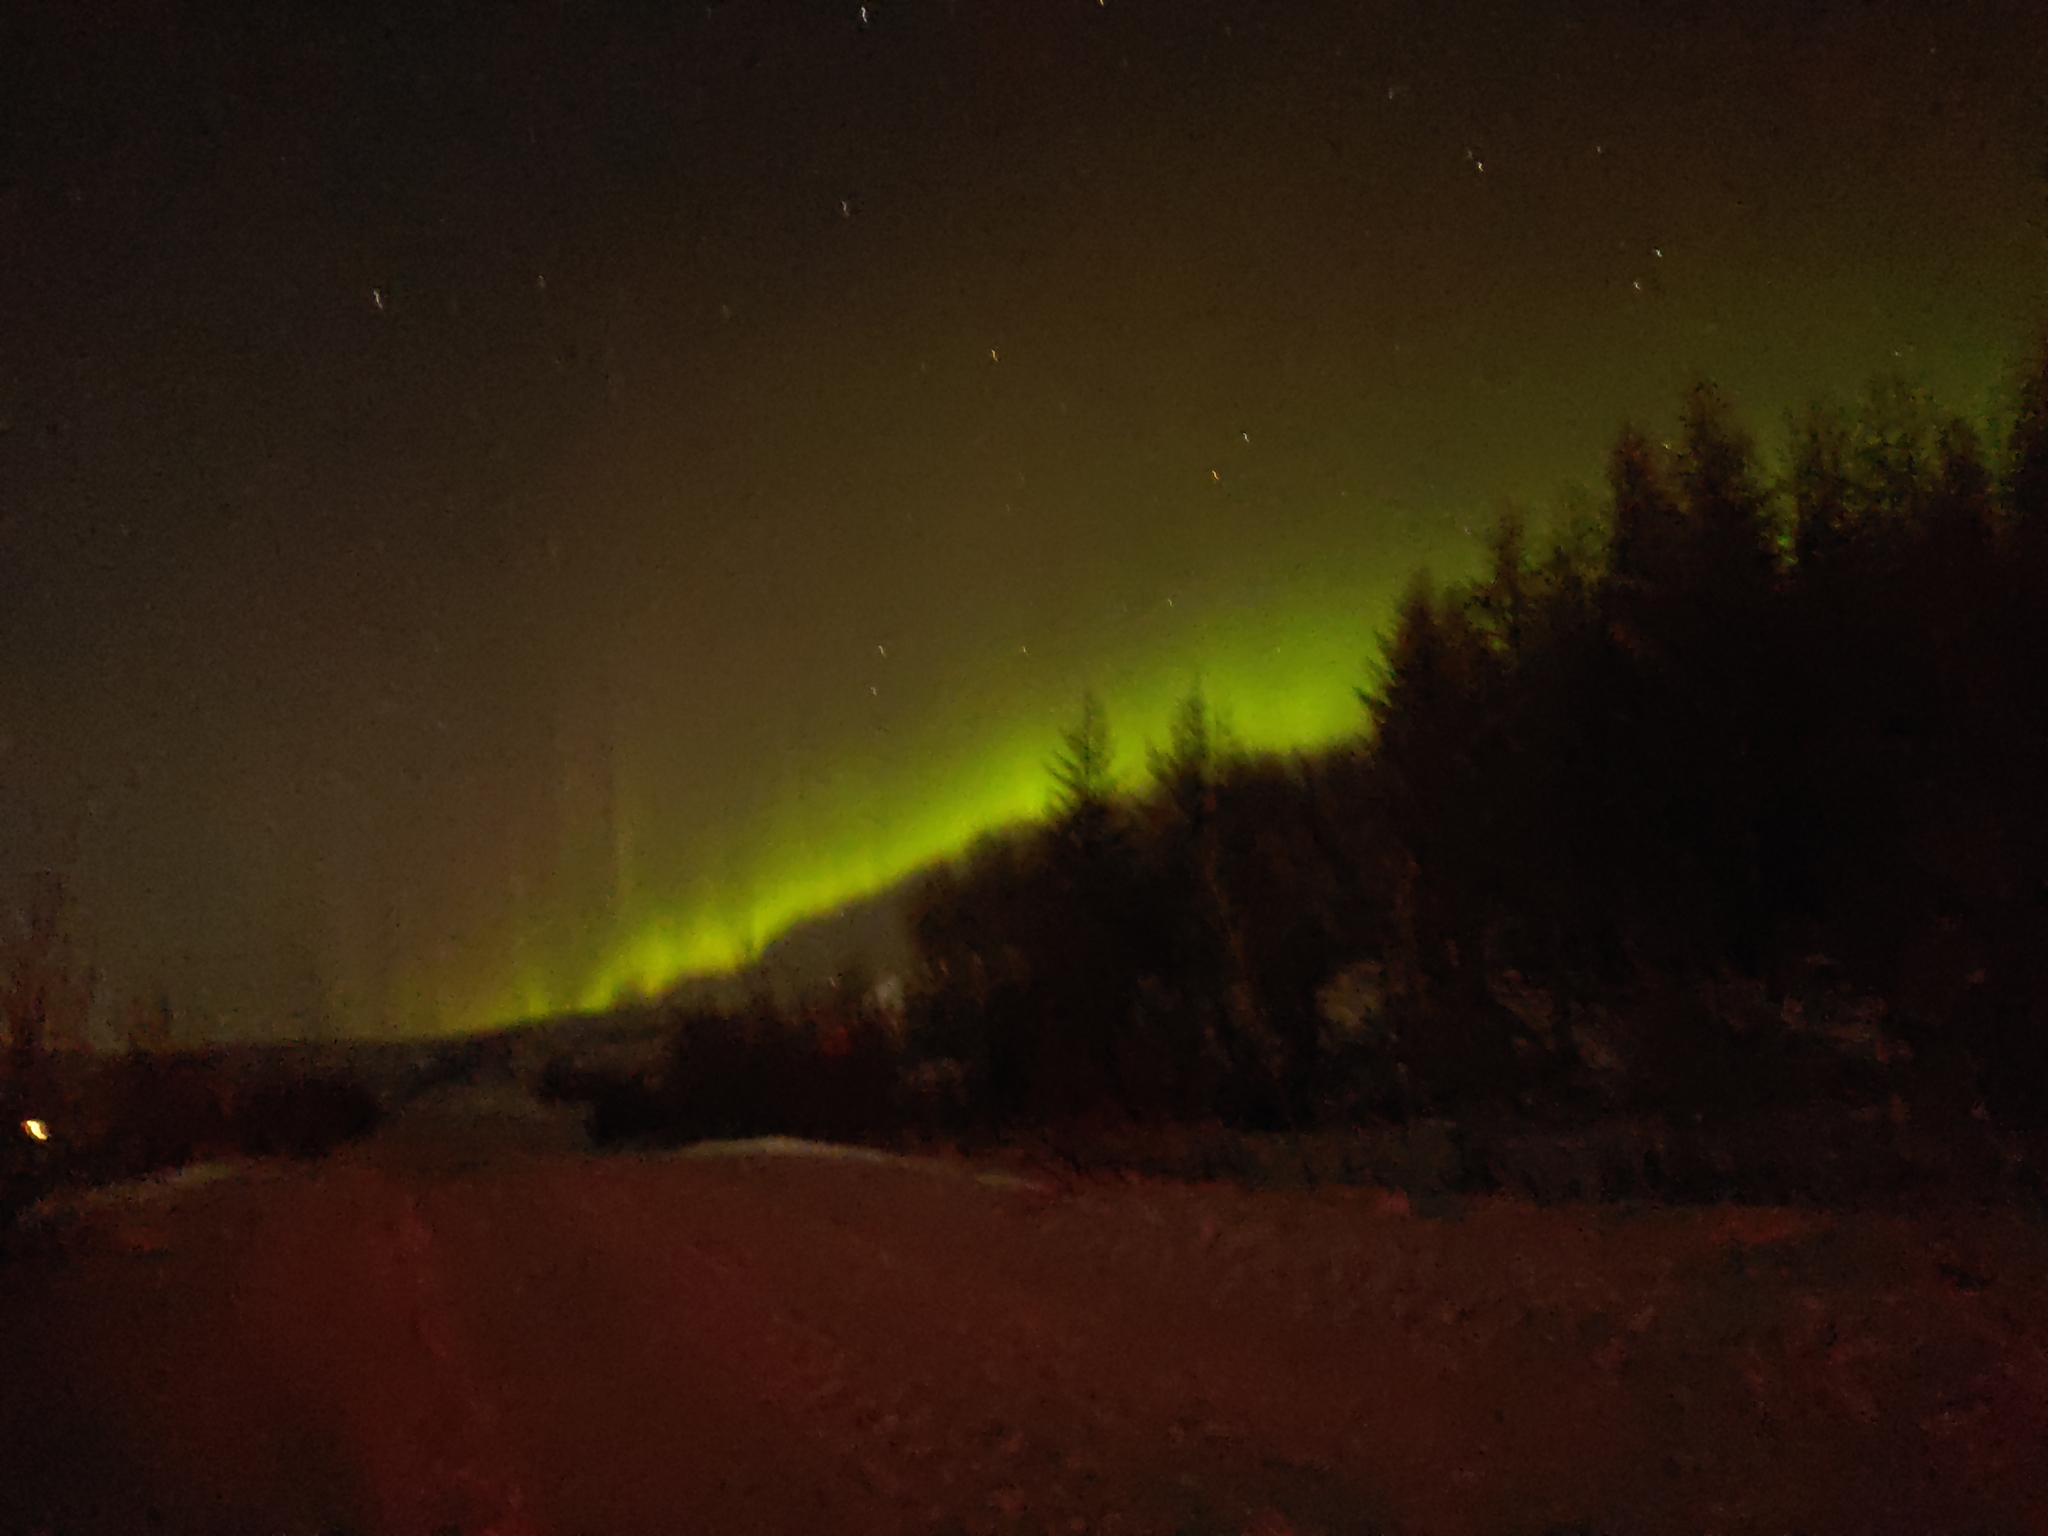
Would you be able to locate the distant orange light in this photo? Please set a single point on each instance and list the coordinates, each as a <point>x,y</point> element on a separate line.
<point>37,1131</point>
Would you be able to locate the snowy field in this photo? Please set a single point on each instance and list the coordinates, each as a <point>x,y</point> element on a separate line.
<point>468,1324</point>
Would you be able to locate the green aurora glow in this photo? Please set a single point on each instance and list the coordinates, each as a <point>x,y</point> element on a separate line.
<point>1283,673</point>
<point>1283,678</point>
<point>457,480</point>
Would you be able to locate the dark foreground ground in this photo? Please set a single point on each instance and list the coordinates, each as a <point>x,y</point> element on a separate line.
<point>461,1328</point>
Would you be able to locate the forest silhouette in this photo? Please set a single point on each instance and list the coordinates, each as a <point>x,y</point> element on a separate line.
<point>1696,852</point>
<point>1729,798</point>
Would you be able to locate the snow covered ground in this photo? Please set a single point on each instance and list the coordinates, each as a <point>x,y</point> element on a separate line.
<point>445,1330</point>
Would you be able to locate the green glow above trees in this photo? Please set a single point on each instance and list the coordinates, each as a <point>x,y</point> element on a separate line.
<point>1282,677</point>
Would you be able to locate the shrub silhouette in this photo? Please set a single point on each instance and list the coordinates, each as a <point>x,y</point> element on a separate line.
<point>303,1117</point>
<point>824,1072</point>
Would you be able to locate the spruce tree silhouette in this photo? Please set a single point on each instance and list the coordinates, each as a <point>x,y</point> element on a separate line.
<point>1083,773</point>
<point>2026,475</point>
<point>1645,520</point>
<point>1726,508</point>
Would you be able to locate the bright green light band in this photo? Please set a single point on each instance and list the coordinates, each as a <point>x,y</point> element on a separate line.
<point>1282,676</point>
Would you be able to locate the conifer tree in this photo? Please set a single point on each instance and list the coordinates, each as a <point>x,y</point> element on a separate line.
<point>2026,473</point>
<point>1646,523</point>
<point>1082,771</point>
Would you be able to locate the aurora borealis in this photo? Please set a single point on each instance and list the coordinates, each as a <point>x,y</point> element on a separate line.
<point>500,510</point>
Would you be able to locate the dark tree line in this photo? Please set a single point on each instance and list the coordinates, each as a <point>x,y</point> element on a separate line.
<point>1735,795</point>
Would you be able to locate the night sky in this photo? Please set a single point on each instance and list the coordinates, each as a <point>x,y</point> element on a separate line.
<point>502,505</point>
